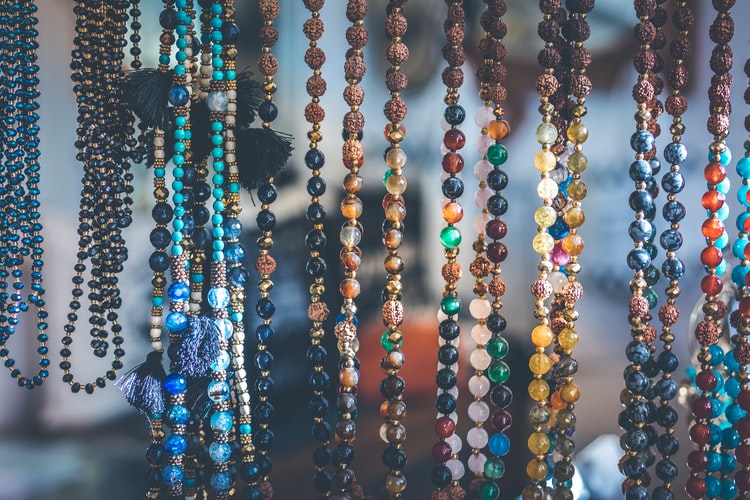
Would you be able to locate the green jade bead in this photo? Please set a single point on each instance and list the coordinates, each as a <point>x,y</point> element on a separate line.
<point>387,344</point>
<point>497,154</point>
<point>450,237</point>
<point>497,347</point>
<point>450,305</point>
<point>488,490</point>
<point>650,295</point>
<point>498,372</point>
<point>494,468</point>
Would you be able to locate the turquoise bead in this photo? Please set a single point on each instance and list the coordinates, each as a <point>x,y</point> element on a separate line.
<point>743,167</point>
<point>742,195</point>
<point>713,486</point>
<point>218,179</point>
<point>246,429</point>
<point>230,74</point>
<point>724,186</point>
<point>218,193</point>
<point>216,9</point>
<point>218,165</point>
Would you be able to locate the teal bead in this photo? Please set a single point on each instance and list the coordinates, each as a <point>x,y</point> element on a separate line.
<point>217,75</point>
<point>724,186</point>
<point>497,154</point>
<point>181,4</point>
<point>217,126</point>
<point>216,9</point>
<point>218,193</point>
<point>178,159</point>
<point>181,56</point>
<point>181,30</point>
<point>197,278</point>
<point>217,219</point>
<point>164,59</point>
<point>177,237</point>
<point>743,167</point>
<point>450,237</point>
<point>238,317</point>
<point>742,220</point>
<point>728,489</point>
<point>488,490</point>
<point>217,62</point>
<point>234,187</point>
<point>179,211</point>
<point>217,140</point>
<point>218,245</point>
<point>160,172</point>
<point>738,248</point>
<point>218,165</point>
<point>218,179</point>
<point>450,305</point>
<point>246,429</point>
<point>216,36</point>
<point>217,152</point>
<point>713,486</point>
<point>178,224</point>
<point>182,43</point>
<point>157,301</point>
<point>177,185</point>
<point>216,49</point>
<point>179,147</point>
<point>178,172</point>
<point>178,198</point>
<point>230,74</point>
<point>217,256</point>
<point>179,134</point>
<point>742,195</point>
<point>177,250</point>
<point>725,158</point>
<point>494,468</point>
<point>217,232</point>
<point>179,69</point>
<point>218,205</point>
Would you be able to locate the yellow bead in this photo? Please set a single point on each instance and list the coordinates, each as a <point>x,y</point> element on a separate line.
<point>395,184</point>
<point>573,244</point>
<point>577,133</point>
<point>538,443</point>
<point>545,161</point>
<point>574,217</point>
<point>541,336</point>
<point>577,162</point>
<point>547,189</point>
<point>545,216</point>
<point>538,390</point>
<point>568,338</point>
<point>539,364</point>
<point>395,158</point>
<point>543,243</point>
<point>570,393</point>
<point>546,133</point>
<point>536,470</point>
<point>577,190</point>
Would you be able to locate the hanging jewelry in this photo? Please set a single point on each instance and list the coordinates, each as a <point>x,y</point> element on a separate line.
<point>491,347</point>
<point>393,409</point>
<point>446,476</point>
<point>316,242</point>
<point>19,165</point>
<point>105,138</point>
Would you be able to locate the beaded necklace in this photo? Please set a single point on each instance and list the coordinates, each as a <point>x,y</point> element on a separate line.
<point>543,243</point>
<point>705,408</point>
<point>491,347</point>
<point>105,138</point>
<point>445,476</point>
<point>393,409</point>
<point>344,479</point>
<point>19,167</point>
<point>316,242</point>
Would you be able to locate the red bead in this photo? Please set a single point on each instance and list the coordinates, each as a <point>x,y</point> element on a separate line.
<point>702,408</point>
<point>700,434</point>
<point>441,452</point>
<point>714,172</point>
<point>445,427</point>
<point>496,229</point>
<point>745,303</point>
<point>496,252</point>
<point>712,200</point>
<point>697,461</point>
<point>706,380</point>
<point>711,256</point>
<point>696,487</point>
<point>453,163</point>
<point>743,454</point>
<point>502,420</point>
<point>742,480</point>
<point>454,139</point>
<point>712,229</point>
<point>711,285</point>
<point>743,427</point>
<point>744,399</point>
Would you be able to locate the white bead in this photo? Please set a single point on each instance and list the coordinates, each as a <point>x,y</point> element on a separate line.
<point>196,295</point>
<point>159,153</point>
<point>481,169</point>
<point>244,397</point>
<point>479,385</point>
<point>457,469</point>
<point>454,441</point>
<point>558,280</point>
<point>237,350</point>
<point>479,411</point>
<point>238,360</point>
<point>240,373</point>
<point>245,410</point>
<point>477,438</point>
<point>232,94</point>
<point>480,308</point>
<point>238,335</point>
<point>441,315</point>
<point>479,223</point>
<point>217,101</point>
<point>205,59</point>
<point>483,116</point>
<point>242,385</point>
<point>159,141</point>
<point>155,333</point>
<point>454,416</point>
<point>232,107</point>
<point>229,120</point>
<point>480,359</point>
<point>156,346</point>
<point>230,157</point>
<point>382,433</point>
<point>155,320</point>
<point>476,463</point>
<point>195,308</point>
<point>480,334</point>
<point>453,391</point>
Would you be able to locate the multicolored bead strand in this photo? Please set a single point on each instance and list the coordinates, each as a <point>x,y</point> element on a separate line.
<point>393,409</point>
<point>446,475</point>
<point>539,468</point>
<point>316,242</point>
<point>19,166</point>
<point>706,407</point>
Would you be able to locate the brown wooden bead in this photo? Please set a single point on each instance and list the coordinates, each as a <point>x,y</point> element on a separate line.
<point>356,10</point>
<point>315,57</point>
<point>354,68</point>
<point>314,112</point>
<point>395,110</point>
<point>317,311</point>
<point>357,36</point>
<point>354,95</point>
<point>313,28</point>
<point>268,35</point>
<point>669,314</point>
<point>269,9</point>
<point>546,85</point>
<point>396,25</point>
<point>314,5</point>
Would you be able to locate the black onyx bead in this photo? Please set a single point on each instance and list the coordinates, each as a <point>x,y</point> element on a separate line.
<point>449,329</point>
<point>315,159</point>
<point>322,456</point>
<point>454,114</point>
<point>316,267</point>
<point>316,213</point>
<point>316,186</point>
<point>267,193</point>
<point>230,33</point>
<point>155,454</point>
<point>161,213</point>
<point>317,354</point>
<point>343,454</point>
<point>266,220</point>
<point>343,479</point>
<point>447,354</point>
<point>264,411</point>
<point>263,386</point>
<point>501,396</point>
<point>394,458</point>
<point>268,111</point>
<point>650,368</point>
<point>158,261</point>
<point>497,180</point>
<point>316,240</point>
<point>321,431</point>
<point>445,378</point>
<point>168,19</point>
<point>453,187</point>
<point>318,406</point>
<point>496,323</point>
<point>497,205</point>
<point>445,403</point>
<point>441,476</point>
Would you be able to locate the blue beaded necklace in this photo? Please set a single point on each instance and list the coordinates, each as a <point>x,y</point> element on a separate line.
<point>19,169</point>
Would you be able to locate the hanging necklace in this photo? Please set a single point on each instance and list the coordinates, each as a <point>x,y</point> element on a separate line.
<point>344,479</point>
<point>393,409</point>
<point>19,155</point>
<point>490,346</point>
<point>104,142</point>
<point>316,242</point>
<point>448,473</point>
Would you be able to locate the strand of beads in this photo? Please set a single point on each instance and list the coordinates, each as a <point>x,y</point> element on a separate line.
<point>491,346</point>
<point>448,473</point>
<point>705,408</point>
<point>104,140</point>
<point>636,418</point>
<point>135,34</point>
<point>393,409</point>
<point>543,243</point>
<point>741,397</point>
<point>344,480</point>
<point>19,206</point>
<point>316,242</point>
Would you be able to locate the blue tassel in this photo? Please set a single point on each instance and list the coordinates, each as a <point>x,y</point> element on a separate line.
<point>199,347</point>
<point>143,385</point>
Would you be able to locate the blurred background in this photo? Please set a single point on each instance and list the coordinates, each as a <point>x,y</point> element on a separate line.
<point>54,444</point>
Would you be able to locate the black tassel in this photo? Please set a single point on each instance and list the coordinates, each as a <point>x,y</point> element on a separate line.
<point>199,347</point>
<point>249,97</point>
<point>196,397</point>
<point>146,91</point>
<point>261,154</point>
<point>143,385</point>
<point>200,130</point>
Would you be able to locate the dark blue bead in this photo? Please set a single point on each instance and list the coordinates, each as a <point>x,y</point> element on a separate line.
<point>636,492</point>
<point>453,188</point>
<point>445,378</point>
<point>263,439</point>
<point>317,354</point>
<point>264,333</point>
<point>637,353</point>
<point>673,211</point>
<point>160,237</point>
<point>202,191</point>
<point>230,33</point>
<point>267,111</point>
<point>263,385</point>
<point>263,360</point>
<point>316,186</point>
<point>666,389</point>
<point>168,19</point>
<point>343,454</point>
<point>671,240</point>
<point>265,464</point>
<point>252,493</point>
<point>267,193</point>
<point>667,361</point>
<point>640,170</point>
<point>675,153</point>
<point>449,329</point>
<point>633,467</point>
<point>178,95</point>
<point>264,411</point>
<point>316,213</point>
<point>640,200</point>
<point>445,403</point>
<point>321,456</point>
<point>635,381</point>
<point>162,213</point>
<point>441,476</point>
<point>496,322</point>
<point>497,180</point>
<point>640,230</point>
<point>638,412</point>
<point>249,471</point>
<point>673,182</point>
<point>673,268</point>
<point>266,220</point>
<point>642,141</point>
<point>447,354</point>
<point>158,261</point>
<point>635,440</point>
<point>265,308</point>
<point>638,259</point>
<point>497,205</point>
<point>322,481</point>
<point>454,114</point>
<point>155,454</point>
<point>238,276</point>
<point>316,267</point>
<point>559,229</point>
<point>234,252</point>
<point>394,458</point>
<point>662,493</point>
<point>316,240</point>
<point>314,159</point>
<point>666,416</point>
<point>321,431</point>
<point>175,383</point>
<point>232,228</point>
<point>319,381</point>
